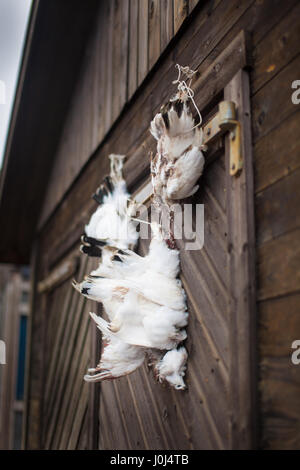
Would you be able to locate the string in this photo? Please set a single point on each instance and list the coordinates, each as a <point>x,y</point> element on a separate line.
<point>140,221</point>
<point>185,88</point>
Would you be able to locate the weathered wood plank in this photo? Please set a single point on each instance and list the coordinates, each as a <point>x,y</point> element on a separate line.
<point>133,47</point>
<point>277,208</point>
<point>154,32</point>
<point>146,416</point>
<point>99,89</point>
<point>280,404</point>
<point>241,252</point>
<point>79,416</point>
<point>272,103</point>
<point>129,134</point>
<point>54,383</point>
<point>274,159</point>
<point>71,376</point>
<point>124,47</point>
<point>166,23</point>
<point>95,388</point>
<point>82,443</point>
<point>192,4</point>
<point>109,67</point>
<point>279,275</point>
<point>279,385</point>
<point>279,324</point>
<point>181,10</point>
<point>116,59</point>
<point>277,49</point>
<point>57,343</point>
<point>205,32</point>
<point>143,40</point>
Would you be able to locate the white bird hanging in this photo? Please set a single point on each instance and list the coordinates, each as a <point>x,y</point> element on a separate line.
<point>117,359</point>
<point>111,224</point>
<point>142,295</point>
<point>179,161</point>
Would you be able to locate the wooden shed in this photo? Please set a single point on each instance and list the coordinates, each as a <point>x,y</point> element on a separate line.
<point>92,78</point>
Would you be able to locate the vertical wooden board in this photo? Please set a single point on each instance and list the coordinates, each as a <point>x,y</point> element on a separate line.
<point>99,84</point>
<point>104,427</point>
<point>214,314</point>
<point>76,387</point>
<point>150,421</point>
<point>55,381</point>
<point>167,412</point>
<point>57,344</point>
<point>88,100</point>
<point>82,443</point>
<point>120,56</point>
<point>192,4</point>
<point>181,10</point>
<point>95,388</point>
<point>77,332</point>
<point>113,425</point>
<point>154,31</point>
<point>166,23</point>
<point>123,73</point>
<point>69,378</point>
<point>108,63</point>
<point>133,47</point>
<point>143,40</point>
<point>207,375</point>
<point>116,58</point>
<point>81,409</point>
<point>242,305</point>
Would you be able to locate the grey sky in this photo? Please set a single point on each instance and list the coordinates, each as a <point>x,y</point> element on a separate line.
<point>14,16</point>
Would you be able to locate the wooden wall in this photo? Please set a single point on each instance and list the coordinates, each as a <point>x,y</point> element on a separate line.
<point>275,36</point>
<point>127,40</point>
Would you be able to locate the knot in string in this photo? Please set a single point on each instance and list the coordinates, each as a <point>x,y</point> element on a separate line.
<point>184,88</point>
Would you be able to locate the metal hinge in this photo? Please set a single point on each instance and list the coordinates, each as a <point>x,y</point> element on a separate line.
<point>223,121</point>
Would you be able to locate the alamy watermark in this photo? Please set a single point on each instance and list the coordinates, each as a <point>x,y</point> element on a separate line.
<point>296,94</point>
<point>2,352</point>
<point>179,222</point>
<point>296,354</point>
<point>2,92</point>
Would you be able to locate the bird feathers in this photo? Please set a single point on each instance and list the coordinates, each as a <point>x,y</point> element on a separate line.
<point>142,296</point>
<point>179,161</point>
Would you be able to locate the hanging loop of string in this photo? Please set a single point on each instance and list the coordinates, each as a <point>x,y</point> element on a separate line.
<point>185,88</point>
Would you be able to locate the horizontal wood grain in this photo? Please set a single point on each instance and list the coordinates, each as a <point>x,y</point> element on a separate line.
<point>278,266</point>
<point>276,155</point>
<point>277,208</point>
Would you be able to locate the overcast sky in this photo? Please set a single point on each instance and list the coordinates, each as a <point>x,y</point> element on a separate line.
<point>14,16</point>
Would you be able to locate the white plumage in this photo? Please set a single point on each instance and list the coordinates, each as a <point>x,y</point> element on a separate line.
<point>111,223</point>
<point>172,367</point>
<point>117,359</point>
<point>179,161</point>
<point>142,296</point>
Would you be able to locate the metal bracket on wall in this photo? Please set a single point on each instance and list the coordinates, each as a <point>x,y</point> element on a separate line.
<point>222,122</point>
